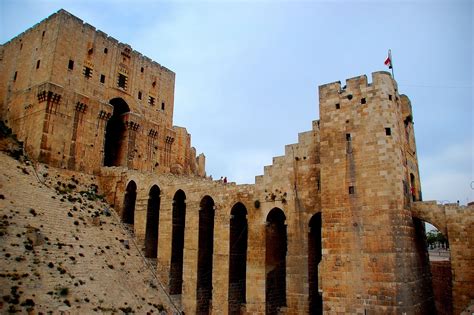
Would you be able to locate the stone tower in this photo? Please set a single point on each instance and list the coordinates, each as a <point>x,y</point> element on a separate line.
<point>372,256</point>
<point>80,99</point>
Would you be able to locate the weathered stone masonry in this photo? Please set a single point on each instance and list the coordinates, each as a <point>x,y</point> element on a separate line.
<point>79,99</point>
<point>334,225</point>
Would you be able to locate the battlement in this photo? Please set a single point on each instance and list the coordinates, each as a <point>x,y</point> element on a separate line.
<point>355,84</point>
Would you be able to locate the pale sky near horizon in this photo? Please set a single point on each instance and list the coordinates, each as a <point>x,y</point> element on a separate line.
<point>247,72</point>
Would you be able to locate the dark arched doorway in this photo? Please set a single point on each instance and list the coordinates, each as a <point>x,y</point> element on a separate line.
<point>275,261</point>
<point>128,213</point>
<point>205,252</point>
<point>177,242</point>
<point>152,223</point>
<point>237,258</point>
<point>114,147</point>
<point>314,258</point>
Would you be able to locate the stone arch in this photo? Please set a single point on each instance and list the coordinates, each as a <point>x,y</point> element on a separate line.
<point>431,212</point>
<point>442,283</point>
<point>314,258</point>
<point>275,261</point>
<point>205,255</point>
<point>177,242</point>
<point>128,213</point>
<point>152,222</point>
<point>115,144</point>
<point>237,258</point>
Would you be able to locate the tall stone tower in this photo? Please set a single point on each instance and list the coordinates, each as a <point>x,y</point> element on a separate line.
<point>373,259</point>
<point>80,99</point>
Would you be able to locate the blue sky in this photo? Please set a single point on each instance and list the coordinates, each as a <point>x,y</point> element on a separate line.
<point>247,72</point>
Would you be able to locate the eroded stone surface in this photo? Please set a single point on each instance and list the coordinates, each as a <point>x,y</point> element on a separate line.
<point>333,225</point>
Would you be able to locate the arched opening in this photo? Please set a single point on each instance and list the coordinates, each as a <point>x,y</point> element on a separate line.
<point>114,148</point>
<point>205,252</point>
<point>314,258</point>
<point>177,243</point>
<point>128,213</point>
<point>237,258</point>
<point>275,261</point>
<point>439,265</point>
<point>152,222</point>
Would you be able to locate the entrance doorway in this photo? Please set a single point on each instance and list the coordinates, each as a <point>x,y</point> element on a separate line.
<point>114,148</point>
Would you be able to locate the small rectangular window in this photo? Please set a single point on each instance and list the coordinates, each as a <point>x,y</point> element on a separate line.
<point>163,106</point>
<point>151,100</point>
<point>348,137</point>
<point>141,70</point>
<point>122,81</point>
<point>139,95</point>
<point>15,75</point>
<point>388,131</point>
<point>363,101</point>
<point>389,97</point>
<point>338,106</point>
<point>351,190</point>
<point>87,72</point>
<point>102,78</point>
<point>38,64</point>
<point>70,66</point>
<point>106,50</point>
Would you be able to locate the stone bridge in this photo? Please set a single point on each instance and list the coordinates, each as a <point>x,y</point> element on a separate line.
<point>457,224</point>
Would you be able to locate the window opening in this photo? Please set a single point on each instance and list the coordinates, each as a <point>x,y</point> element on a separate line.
<point>351,190</point>
<point>87,72</point>
<point>122,81</point>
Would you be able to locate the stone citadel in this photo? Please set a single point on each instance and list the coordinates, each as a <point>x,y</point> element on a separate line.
<point>334,226</point>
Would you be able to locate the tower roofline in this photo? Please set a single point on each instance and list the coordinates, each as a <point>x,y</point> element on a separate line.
<point>357,82</point>
<point>67,15</point>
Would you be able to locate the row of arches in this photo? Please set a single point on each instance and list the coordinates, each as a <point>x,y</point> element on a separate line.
<point>275,251</point>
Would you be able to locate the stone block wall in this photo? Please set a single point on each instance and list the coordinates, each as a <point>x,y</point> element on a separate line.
<point>335,218</point>
<point>66,88</point>
<point>442,286</point>
<point>371,253</point>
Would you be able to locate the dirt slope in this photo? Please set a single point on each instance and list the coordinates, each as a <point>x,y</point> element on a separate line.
<point>63,249</point>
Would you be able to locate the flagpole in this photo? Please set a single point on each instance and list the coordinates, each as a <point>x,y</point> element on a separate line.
<point>391,62</point>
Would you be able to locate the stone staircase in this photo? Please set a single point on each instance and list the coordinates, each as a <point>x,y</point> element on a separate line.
<point>62,249</point>
<point>295,151</point>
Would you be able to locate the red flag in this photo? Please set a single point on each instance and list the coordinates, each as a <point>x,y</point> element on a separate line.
<point>388,61</point>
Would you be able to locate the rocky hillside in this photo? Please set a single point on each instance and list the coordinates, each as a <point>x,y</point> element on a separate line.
<point>63,249</point>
